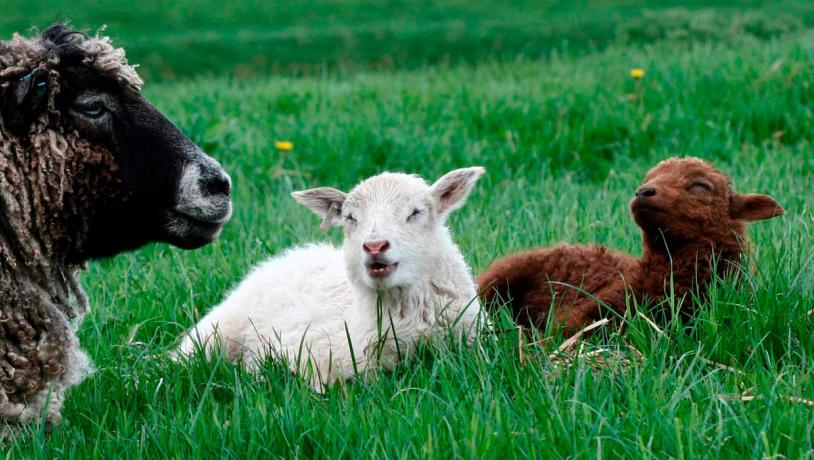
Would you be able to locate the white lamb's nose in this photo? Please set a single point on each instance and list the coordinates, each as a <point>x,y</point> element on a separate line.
<point>375,248</point>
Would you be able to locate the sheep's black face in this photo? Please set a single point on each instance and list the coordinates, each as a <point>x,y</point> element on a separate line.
<point>174,191</point>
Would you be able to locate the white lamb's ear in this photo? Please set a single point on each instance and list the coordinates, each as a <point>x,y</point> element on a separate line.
<point>325,201</point>
<point>452,190</point>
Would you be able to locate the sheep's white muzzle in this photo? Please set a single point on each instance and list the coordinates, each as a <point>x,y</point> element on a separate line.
<point>203,193</point>
<point>203,204</point>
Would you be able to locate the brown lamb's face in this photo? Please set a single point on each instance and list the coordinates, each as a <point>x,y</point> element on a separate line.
<point>687,198</point>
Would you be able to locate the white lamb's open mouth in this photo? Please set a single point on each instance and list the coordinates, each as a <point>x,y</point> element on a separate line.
<point>381,270</point>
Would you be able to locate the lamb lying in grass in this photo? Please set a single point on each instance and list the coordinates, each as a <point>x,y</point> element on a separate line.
<point>689,216</point>
<point>397,279</point>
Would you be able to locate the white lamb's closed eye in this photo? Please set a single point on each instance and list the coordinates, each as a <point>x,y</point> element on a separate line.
<point>415,214</point>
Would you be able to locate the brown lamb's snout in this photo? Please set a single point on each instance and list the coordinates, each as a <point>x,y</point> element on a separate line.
<point>645,192</point>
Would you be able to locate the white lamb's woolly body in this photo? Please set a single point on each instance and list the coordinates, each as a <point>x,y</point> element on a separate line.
<point>302,305</point>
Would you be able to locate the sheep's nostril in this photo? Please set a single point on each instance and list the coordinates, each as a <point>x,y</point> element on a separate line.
<point>375,247</point>
<point>218,184</point>
<point>645,192</point>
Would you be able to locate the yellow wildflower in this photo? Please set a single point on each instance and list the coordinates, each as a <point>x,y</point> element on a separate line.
<point>284,145</point>
<point>637,73</point>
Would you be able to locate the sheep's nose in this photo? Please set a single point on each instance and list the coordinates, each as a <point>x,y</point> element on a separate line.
<point>645,192</point>
<point>217,182</point>
<point>375,248</point>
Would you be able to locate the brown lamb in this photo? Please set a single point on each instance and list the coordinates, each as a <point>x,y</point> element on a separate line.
<point>692,223</point>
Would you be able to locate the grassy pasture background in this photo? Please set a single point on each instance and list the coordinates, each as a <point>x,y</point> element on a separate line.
<point>539,93</point>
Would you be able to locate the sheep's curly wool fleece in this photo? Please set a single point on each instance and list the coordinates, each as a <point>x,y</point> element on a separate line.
<point>51,180</point>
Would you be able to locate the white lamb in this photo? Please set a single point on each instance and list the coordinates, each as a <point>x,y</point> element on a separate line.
<point>398,278</point>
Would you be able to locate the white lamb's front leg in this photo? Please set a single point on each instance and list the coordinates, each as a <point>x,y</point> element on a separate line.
<point>473,321</point>
<point>328,373</point>
<point>325,357</point>
<point>463,318</point>
<point>223,328</point>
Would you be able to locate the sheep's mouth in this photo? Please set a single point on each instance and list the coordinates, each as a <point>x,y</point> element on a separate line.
<point>643,206</point>
<point>380,270</point>
<point>191,232</point>
<point>216,219</point>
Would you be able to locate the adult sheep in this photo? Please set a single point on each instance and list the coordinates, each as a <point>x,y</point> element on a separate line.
<point>88,169</point>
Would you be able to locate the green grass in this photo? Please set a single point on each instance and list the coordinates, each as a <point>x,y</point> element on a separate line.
<point>247,38</point>
<point>566,140</point>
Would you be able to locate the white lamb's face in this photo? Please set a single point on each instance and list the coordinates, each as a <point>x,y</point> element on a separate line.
<point>391,230</point>
<point>393,223</point>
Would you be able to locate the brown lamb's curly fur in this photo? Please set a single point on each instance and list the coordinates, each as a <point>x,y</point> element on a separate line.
<point>691,221</point>
<point>50,180</point>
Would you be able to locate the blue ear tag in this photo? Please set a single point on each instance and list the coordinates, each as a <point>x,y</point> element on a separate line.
<point>40,81</point>
<point>40,85</point>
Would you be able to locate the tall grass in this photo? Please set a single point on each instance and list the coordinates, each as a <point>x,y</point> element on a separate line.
<point>255,37</point>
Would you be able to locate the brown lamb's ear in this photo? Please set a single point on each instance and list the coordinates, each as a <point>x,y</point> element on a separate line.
<point>752,207</point>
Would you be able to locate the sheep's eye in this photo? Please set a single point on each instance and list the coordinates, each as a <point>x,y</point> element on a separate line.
<point>92,109</point>
<point>413,215</point>
<point>350,219</point>
<point>701,186</point>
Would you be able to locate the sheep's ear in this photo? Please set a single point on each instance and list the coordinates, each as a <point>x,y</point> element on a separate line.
<point>452,190</point>
<point>23,99</point>
<point>753,207</point>
<point>325,201</point>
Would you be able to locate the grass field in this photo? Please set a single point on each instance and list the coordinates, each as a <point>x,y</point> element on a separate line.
<point>566,136</point>
<point>311,37</point>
